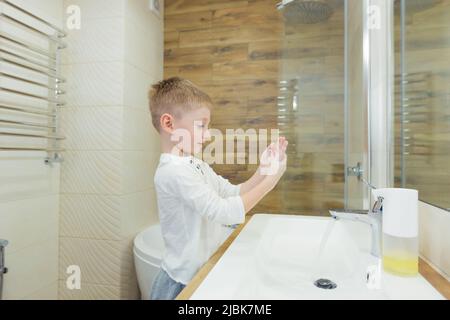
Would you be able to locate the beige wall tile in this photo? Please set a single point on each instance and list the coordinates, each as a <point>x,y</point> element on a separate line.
<point>138,171</point>
<point>99,260</point>
<point>29,222</point>
<point>434,237</point>
<point>49,292</point>
<point>98,8</point>
<point>24,175</point>
<point>94,84</point>
<point>140,43</point>
<point>137,83</point>
<point>95,172</point>
<point>31,268</point>
<point>92,128</point>
<point>90,216</point>
<point>97,40</point>
<point>89,291</point>
<point>139,210</point>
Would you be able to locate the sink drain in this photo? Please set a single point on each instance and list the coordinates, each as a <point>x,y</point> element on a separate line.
<point>325,284</point>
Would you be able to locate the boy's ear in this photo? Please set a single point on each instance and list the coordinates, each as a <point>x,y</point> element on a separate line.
<point>166,122</point>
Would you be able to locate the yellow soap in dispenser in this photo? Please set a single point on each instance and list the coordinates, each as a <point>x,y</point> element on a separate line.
<point>400,231</point>
<point>400,255</point>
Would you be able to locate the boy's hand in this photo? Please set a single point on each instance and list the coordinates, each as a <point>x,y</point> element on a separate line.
<point>273,165</point>
<point>273,159</point>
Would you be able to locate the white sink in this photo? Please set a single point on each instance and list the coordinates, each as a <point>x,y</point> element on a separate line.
<point>277,257</point>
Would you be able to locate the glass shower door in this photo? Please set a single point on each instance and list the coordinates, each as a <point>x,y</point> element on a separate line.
<point>422,109</point>
<point>310,108</point>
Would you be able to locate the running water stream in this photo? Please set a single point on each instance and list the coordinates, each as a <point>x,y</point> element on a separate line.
<point>316,267</point>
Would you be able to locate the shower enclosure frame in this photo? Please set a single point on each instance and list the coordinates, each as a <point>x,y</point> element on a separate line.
<point>376,166</point>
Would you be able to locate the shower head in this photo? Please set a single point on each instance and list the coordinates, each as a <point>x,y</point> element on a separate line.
<point>307,11</point>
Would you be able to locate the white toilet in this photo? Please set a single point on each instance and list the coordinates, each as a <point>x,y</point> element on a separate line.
<point>148,251</point>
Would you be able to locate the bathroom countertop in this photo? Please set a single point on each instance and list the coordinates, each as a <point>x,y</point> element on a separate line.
<point>433,277</point>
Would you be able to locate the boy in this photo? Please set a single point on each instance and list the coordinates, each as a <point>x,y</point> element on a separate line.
<point>195,204</point>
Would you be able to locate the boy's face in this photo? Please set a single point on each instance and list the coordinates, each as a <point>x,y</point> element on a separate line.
<point>192,126</point>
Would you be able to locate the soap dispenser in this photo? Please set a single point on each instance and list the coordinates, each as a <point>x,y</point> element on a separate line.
<point>400,244</point>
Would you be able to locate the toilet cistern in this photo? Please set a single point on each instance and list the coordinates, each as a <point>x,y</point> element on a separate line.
<point>372,218</point>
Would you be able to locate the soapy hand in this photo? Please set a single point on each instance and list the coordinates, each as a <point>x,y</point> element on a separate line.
<point>273,159</point>
<point>273,165</point>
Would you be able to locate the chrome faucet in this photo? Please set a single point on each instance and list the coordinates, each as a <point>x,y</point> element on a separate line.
<point>372,218</point>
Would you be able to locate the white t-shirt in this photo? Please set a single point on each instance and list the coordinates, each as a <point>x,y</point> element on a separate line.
<point>195,206</point>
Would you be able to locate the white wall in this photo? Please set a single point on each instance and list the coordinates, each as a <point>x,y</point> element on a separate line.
<point>107,193</point>
<point>29,189</point>
<point>434,237</point>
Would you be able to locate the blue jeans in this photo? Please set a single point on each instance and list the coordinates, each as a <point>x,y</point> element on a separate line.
<point>165,288</point>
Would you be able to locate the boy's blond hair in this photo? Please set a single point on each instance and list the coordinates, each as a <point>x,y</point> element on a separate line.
<point>173,96</point>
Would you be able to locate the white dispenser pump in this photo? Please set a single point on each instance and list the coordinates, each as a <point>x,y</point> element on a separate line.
<point>400,230</point>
